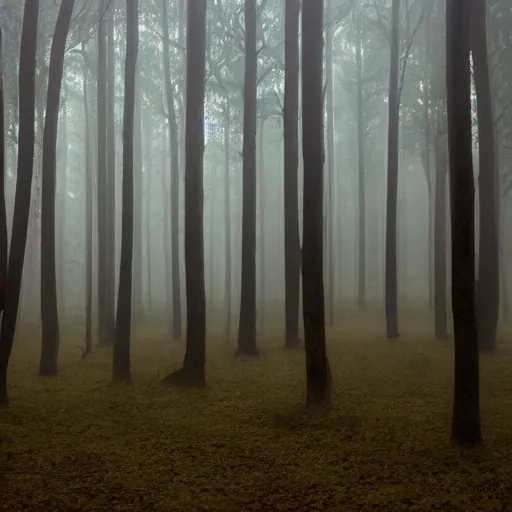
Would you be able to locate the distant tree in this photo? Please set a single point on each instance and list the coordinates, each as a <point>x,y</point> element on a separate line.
<point>247,321</point>
<point>3,213</point>
<point>192,374</point>
<point>291,164</point>
<point>488,263</point>
<point>466,404</point>
<point>121,353</point>
<point>49,310</point>
<point>317,366</point>
<point>27,74</point>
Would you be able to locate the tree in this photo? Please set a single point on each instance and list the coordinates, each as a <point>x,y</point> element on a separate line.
<point>392,186</point>
<point>27,73</point>
<point>291,163</point>
<point>175,176</point>
<point>3,213</point>
<point>192,374</point>
<point>247,322</point>
<point>317,365</point>
<point>49,310</point>
<point>466,406</point>
<point>121,353</point>
<point>488,264</point>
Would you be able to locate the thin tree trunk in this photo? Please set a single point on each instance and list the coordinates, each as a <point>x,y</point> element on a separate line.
<point>317,366</point>
<point>227,222</point>
<point>175,176</point>
<point>27,74</point>
<point>3,211</point>
<point>392,185</point>
<point>88,217</point>
<point>61,215</point>
<point>148,157</point>
<point>193,372</point>
<point>121,353</point>
<point>466,403</point>
<point>49,310</point>
<point>247,320</point>
<point>261,162</point>
<point>291,168</point>
<point>488,294</point>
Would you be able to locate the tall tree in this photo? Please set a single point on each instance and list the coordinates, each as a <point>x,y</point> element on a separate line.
<point>101,95</point>
<point>192,374</point>
<point>247,321</point>
<point>392,185</point>
<point>291,164</point>
<point>466,404</point>
<point>488,294</point>
<point>49,310</point>
<point>317,366</point>
<point>227,221</point>
<point>3,213</point>
<point>121,353</point>
<point>27,74</point>
<point>175,175</point>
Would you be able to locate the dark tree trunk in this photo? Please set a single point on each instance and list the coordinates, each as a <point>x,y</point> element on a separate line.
<point>49,310</point>
<point>361,130</point>
<point>27,74</point>
<point>227,222</point>
<point>193,372</point>
<point>175,176</point>
<point>121,352</point>
<point>103,323</point>
<point>488,262</point>
<point>317,366</point>
<point>88,218</point>
<point>3,213</point>
<point>440,310</point>
<point>466,406</point>
<point>392,186</point>
<point>291,164</point>
<point>247,321</point>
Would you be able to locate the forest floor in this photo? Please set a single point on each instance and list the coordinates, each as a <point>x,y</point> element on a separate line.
<point>78,442</point>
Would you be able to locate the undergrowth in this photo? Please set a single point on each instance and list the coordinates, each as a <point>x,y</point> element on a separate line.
<point>78,442</point>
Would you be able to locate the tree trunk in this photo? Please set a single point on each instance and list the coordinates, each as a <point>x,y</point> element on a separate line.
<point>440,312</point>
<point>392,186</point>
<point>317,366</point>
<point>466,406</point>
<point>27,74</point>
<point>247,320</point>
<point>61,224</point>
<point>291,164</point>
<point>138,306</point>
<point>111,174</point>
<point>49,310</point>
<point>3,212</point>
<point>175,177</point>
<point>361,130</point>
<point>261,162</point>
<point>193,372</point>
<point>166,233</point>
<point>488,262</point>
<point>148,158</point>
<point>121,352</point>
<point>103,323</point>
<point>88,218</point>
<point>227,222</point>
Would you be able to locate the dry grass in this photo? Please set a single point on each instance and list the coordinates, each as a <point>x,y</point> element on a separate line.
<point>79,442</point>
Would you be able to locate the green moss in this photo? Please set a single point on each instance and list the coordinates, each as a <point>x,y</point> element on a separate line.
<point>246,442</point>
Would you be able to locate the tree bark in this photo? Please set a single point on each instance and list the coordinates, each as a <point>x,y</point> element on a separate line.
<point>175,177</point>
<point>27,74</point>
<point>291,168</point>
<point>317,366</point>
<point>193,372</point>
<point>227,222</point>
<point>488,262</point>
<point>121,352</point>
<point>261,165</point>
<point>49,309</point>
<point>466,405</point>
<point>392,185</point>
<point>148,158</point>
<point>247,320</point>
<point>3,213</point>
